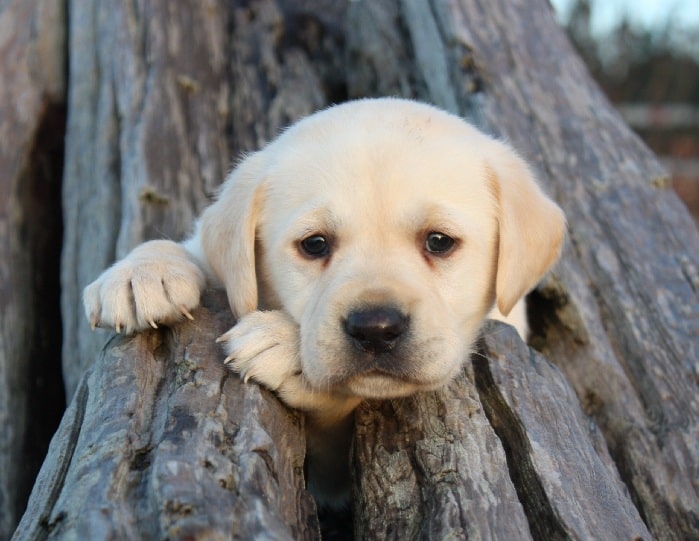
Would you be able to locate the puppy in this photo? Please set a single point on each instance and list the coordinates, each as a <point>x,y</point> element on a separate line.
<point>360,251</point>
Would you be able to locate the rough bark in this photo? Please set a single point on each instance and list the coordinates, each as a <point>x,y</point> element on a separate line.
<point>619,314</point>
<point>162,442</point>
<point>32,88</point>
<point>507,450</point>
<point>152,130</point>
<point>431,466</point>
<point>135,165</point>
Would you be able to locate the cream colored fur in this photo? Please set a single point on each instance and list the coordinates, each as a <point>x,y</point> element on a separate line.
<point>375,178</point>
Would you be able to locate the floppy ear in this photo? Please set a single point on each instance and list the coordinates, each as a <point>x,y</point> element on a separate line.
<point>531,227</point>
<point>227,233</point>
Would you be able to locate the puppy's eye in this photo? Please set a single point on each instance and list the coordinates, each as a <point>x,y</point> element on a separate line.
<point>315,246</point>
<point>438,243</point>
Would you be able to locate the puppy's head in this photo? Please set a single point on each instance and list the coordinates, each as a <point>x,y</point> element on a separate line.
<point>387,229</point>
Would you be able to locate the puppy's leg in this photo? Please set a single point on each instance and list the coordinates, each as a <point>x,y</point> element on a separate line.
<point>158,282</point>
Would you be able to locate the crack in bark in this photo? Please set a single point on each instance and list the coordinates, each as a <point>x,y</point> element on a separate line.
<point>543,522</point>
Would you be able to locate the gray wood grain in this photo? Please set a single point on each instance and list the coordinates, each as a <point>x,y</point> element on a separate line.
<point>432,467</point>
<point>566,479</point>
<point>152,131</point>
<point>162,442</point>
<point>146,139</point>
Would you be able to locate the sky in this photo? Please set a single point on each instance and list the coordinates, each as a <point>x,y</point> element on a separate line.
<point>646,13</point>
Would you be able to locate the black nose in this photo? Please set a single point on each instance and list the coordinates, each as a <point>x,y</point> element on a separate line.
<point>376,329</point>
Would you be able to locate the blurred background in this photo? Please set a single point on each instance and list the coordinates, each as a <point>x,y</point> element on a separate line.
<point>645,55</point>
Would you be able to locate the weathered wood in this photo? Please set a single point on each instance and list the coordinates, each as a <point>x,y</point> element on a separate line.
<point>150,134</point>
<point>162,442</point>
<point>431,466</point>
<point>152,131</point>
<point>32,110</point>
<point>619,315</point>
<point>566,480</point>
<point>146,139</point>
<point>505,452</point>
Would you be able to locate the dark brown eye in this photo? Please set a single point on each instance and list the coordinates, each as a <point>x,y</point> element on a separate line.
<point>315,246</point>
<point>438,243</point>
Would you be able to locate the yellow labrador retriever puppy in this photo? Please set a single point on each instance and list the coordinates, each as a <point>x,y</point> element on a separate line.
<point>360,251</point>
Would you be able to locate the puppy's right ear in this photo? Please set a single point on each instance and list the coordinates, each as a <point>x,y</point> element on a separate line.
<point>531,227</point>
<point>227,233</point>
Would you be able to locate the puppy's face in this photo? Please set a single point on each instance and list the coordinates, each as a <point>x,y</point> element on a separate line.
<point>379,229</point>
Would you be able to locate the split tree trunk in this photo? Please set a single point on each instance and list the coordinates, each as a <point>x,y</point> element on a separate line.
<point>507,451</point>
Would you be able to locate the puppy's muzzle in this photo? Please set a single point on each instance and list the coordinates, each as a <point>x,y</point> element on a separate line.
<point>376,329</point>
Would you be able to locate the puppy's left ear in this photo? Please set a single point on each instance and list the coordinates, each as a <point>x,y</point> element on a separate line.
<point>227,232</point>
<point>531,227</point>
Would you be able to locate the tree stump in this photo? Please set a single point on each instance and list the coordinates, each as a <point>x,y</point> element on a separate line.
<point>605,444</point>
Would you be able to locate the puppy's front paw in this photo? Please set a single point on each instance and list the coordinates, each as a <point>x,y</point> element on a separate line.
<point>264,347</point>
<point>156,283</point>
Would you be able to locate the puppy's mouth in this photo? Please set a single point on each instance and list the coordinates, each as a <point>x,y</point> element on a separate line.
<point>382,385</point>
<point>394,364</point>
<point>386,375</point>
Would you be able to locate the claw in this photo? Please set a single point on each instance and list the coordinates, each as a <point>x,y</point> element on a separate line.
<point>221,338</point>
<point>229,359</point>
<point>152,324</point>
<point>186,313</point>
<point>117,327</point>
<point>94,321</point>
